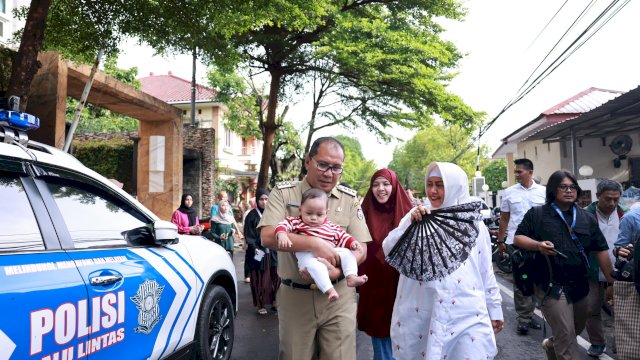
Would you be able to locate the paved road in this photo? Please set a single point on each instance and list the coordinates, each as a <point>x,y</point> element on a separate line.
<point>256,336</point>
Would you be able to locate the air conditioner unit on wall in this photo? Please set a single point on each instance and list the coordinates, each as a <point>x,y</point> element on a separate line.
<point>477,181</point>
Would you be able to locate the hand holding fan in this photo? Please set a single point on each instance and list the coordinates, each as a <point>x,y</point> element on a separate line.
<point>437,245</point>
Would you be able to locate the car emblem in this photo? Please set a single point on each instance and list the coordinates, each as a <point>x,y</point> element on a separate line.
<point>147,300</point>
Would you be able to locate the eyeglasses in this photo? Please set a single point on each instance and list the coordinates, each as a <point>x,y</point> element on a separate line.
<point>565,187</point>
<point>323,167</point>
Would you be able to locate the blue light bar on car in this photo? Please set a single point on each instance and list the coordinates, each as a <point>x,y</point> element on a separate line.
<point>19,120</point>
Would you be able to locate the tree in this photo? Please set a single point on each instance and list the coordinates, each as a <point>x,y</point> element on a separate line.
<point>436,143</point>
<point>384,52</point>
<point>357,169</point>
<point>287,149</point>
<point>495,173</point>
<point>25,63</point>
<point>247,107</point>
<point>387,55</point>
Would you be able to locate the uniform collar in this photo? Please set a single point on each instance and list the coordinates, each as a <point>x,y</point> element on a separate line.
<point>530,187</point>
<point>306,186</point>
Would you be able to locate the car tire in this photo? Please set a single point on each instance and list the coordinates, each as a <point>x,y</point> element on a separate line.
<point>215,329</point>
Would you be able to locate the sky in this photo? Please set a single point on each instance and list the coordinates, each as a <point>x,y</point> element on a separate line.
<point>497,38</point>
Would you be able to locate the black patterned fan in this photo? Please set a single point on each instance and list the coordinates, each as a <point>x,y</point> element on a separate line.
<point>436,246</point>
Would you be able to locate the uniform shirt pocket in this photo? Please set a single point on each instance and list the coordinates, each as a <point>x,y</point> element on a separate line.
<point>515,204</point>
<point>537,200</point>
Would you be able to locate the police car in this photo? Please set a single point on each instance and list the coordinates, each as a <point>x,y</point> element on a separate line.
<point>87,272</point>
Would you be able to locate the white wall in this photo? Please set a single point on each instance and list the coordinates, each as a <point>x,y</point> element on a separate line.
<point>548,158</point>
<point>228,155</point>
<point>600,158</point>
<point>545,157</point>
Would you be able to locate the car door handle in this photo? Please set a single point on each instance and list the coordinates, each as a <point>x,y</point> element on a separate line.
<point>105,280</point>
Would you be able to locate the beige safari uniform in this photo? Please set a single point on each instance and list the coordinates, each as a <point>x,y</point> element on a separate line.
<point>306,315</point>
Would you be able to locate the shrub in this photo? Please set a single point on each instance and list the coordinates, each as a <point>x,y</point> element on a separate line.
<point>112,159</point>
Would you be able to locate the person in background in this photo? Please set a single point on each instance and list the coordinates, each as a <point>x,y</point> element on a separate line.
<point>455,316</point>
<point>626,296</point>
<point>247,254</point>
<point>609,213</point>
<point>262,261</point>
<point>308,323</point>
<point>564,234</point>
<point>410,194</point>
<point>222,195</point>
<point>384,205</point>
<point>516,201</point>
<point>222,227</point>
<point>185,217</point>
<point>252,205</point>
<point>215,208</point>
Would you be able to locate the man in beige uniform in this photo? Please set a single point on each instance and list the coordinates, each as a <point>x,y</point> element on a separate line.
<point>304,313</point>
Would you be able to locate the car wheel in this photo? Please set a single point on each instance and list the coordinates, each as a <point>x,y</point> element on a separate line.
<point>214,334</point>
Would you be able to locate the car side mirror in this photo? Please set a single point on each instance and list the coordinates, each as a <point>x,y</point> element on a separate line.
<point>164,232</point>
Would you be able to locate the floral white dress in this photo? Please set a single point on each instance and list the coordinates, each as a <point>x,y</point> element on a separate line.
<point>450,317</point>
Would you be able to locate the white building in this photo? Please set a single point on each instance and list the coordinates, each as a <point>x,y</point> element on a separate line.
<point>597,129</point>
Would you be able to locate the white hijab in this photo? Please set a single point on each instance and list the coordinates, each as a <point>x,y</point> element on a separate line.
<point>456,182</point>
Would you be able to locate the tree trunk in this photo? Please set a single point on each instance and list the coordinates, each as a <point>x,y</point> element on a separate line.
<point>25,64</point>
<point>270,128</point>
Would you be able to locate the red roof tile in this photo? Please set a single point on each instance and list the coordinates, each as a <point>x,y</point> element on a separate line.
<point>172,89</point>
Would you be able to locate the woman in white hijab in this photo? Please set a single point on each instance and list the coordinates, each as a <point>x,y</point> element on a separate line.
<point>456,316</point>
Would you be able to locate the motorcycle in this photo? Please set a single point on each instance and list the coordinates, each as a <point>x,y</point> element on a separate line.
<point>503,261</point>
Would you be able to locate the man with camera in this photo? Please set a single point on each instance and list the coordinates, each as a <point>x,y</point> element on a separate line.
<point>626,288</point>
<point>609,213</point>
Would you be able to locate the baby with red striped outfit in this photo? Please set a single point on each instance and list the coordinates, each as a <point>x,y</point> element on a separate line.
<point>313,221</point>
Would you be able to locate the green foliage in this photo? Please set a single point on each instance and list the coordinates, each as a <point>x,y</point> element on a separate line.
<point>231,186</point>
<point>357,169</point>
<point>79,28</point>
<point>393,69</point>
<point>6,56</point>
<point>246,116</point>
<point>436,143</point>
<point>112,159</point>
<point>386,58</point>
<point>495,173</point>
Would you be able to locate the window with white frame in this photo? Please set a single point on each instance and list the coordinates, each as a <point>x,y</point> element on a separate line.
<point>228,135</point>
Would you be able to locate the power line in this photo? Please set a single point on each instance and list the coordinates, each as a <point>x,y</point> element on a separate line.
<point>545,27</point>
<point>570,50</point>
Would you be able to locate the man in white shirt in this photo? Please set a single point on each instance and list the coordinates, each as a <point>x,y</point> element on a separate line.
<point>516,201</point>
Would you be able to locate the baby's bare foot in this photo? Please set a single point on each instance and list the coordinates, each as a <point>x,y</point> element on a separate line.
<point>332,294</point>
<point>353,280</point>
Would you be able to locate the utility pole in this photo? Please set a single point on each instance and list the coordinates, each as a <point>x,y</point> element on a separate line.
<point>193,88</point>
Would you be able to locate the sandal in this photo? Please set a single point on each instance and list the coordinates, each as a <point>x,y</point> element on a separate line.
<point>262,311</point>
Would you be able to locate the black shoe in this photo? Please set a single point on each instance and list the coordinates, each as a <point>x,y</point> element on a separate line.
<point>523,328</point>
<point>596,350</point>
<point>535,325</point>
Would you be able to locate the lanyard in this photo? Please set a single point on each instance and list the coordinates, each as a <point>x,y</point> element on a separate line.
<point>570,228</point>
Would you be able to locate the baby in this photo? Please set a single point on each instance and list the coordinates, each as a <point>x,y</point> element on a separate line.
<point>313,222</point>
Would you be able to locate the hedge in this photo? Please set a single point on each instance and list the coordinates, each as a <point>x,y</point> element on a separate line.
<point>112,159</point>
